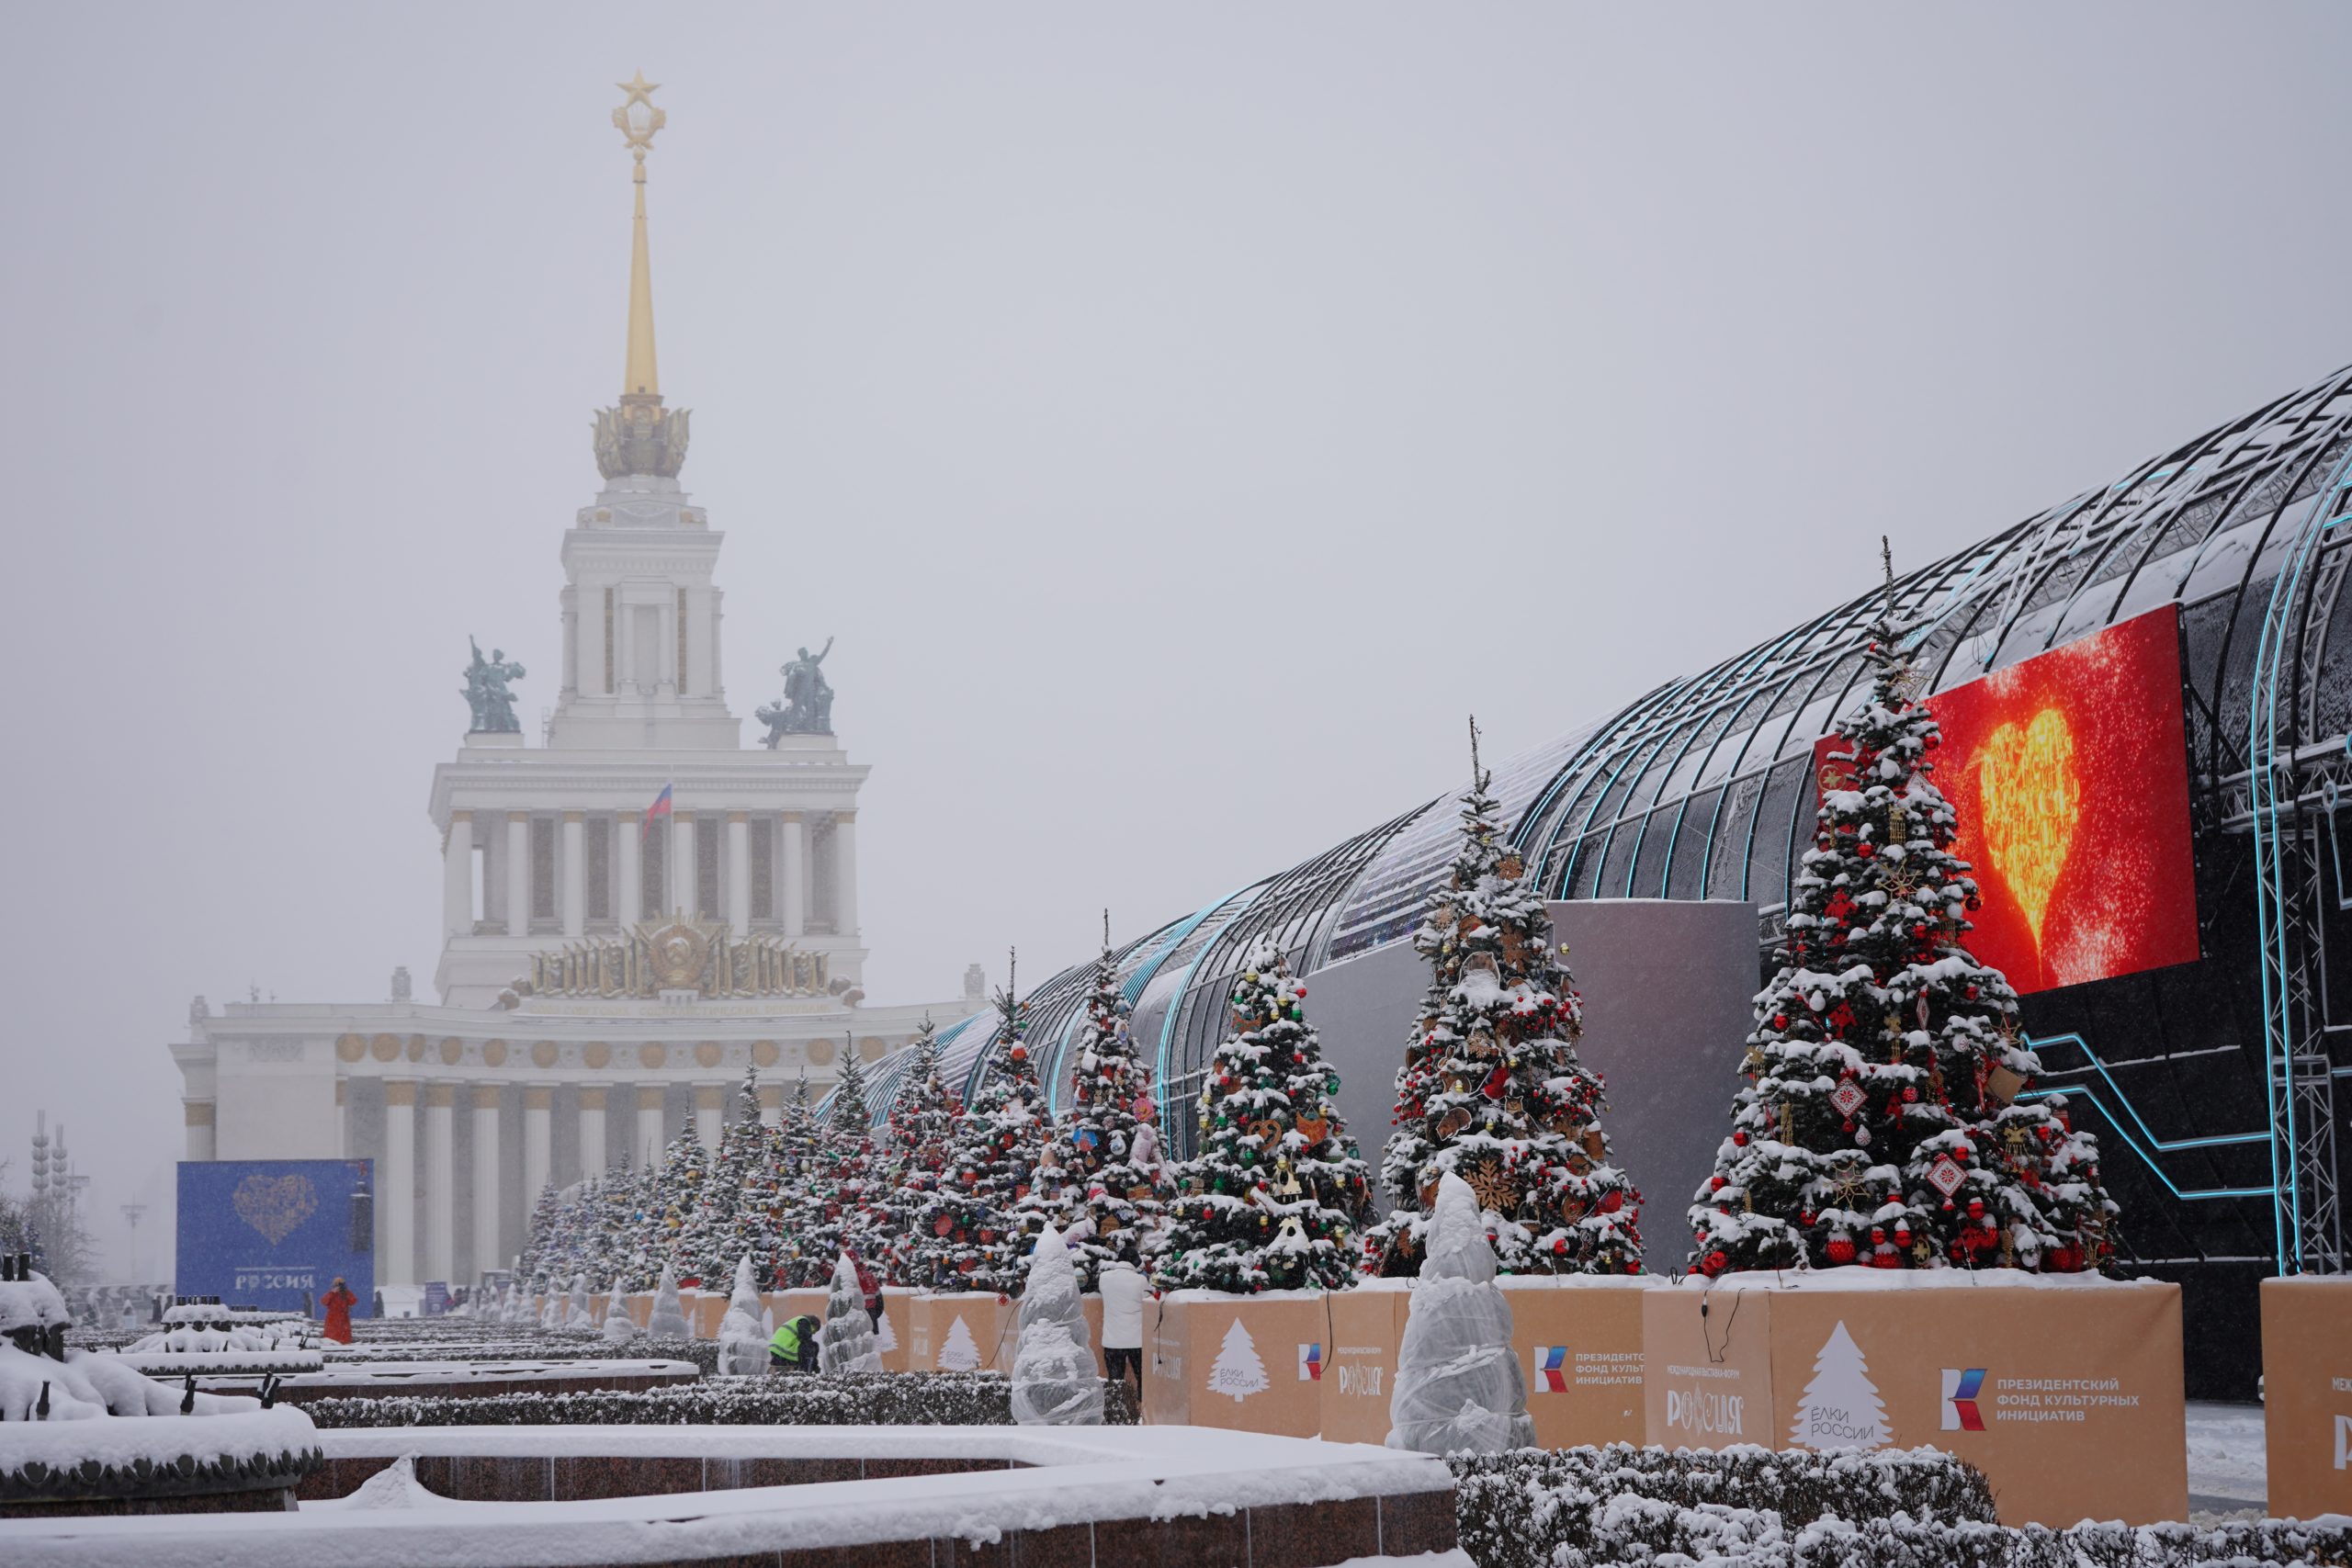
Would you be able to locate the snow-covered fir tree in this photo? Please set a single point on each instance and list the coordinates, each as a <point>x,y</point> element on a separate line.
<point>797,1158</point>
<point>1879,1123</point>
<point>729,1221</point>
<point>675,1197</point>
<point>839,1180</point>
<point>976,1232</point>
<point>1276,1197</point>
<point>1118,1198</point>
<point>539,1233</point>
<point>923,1123</point>
<point>1492,1090</point>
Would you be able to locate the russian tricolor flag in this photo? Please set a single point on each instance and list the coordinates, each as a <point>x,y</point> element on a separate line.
<point>661,808</point>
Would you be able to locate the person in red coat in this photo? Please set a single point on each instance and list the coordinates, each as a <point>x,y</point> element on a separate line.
<point>339,1302</point>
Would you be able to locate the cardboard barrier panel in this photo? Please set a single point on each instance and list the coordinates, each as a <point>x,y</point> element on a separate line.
<point>2307,1393</point>
<point>1249,1362</point>
<point>638,1303</point>
<point>2066,1392</point>
<point>703,1313</point>
<point>962,1331</point>
<point>1579,1341</point>
<point>895,1335</point>
<point>1359,1376</point>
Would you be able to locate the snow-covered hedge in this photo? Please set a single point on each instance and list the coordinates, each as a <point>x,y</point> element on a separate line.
<point>1517,1509</point>
<point>1751,1507</point>
<point>583,1346</point>
<point>862,1399</point>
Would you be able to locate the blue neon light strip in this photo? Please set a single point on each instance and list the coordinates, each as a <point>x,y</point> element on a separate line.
<point>2160,1146</point>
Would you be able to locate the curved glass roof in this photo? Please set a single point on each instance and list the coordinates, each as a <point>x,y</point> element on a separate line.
<point>1697,789</point>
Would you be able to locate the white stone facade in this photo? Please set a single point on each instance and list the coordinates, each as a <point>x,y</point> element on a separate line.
<point>470,1107</point>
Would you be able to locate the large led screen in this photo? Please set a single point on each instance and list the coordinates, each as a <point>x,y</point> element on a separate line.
<point>2070,773</point>
<point>275,1233</point>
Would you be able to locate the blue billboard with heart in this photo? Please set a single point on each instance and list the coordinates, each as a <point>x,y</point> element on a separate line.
<point>275,1233</point>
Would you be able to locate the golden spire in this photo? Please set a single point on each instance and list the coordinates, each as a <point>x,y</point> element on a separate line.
<point>641,436</point>
<point>637,119</point>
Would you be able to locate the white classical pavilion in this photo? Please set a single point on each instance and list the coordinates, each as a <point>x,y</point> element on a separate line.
<point>608,975</point>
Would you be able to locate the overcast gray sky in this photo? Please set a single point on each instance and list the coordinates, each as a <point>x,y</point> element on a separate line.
<point>1180,415</point>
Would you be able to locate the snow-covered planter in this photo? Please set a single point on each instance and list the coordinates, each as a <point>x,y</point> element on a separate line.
<point>850,1399</point>
<point>52,1465</point>
<point>1570,1506</point>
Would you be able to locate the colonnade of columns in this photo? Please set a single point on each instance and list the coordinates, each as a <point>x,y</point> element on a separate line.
<point>416,1182</point>
<point>627,874</point>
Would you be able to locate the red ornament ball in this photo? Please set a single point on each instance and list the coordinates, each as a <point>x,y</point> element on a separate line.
<point>1840,1249</point>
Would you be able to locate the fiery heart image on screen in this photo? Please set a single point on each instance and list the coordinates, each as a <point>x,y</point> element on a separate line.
<point>2029,798</point>
<point>2069,771</point>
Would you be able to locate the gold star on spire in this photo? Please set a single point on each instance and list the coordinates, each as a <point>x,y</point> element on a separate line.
<point>638,117</point>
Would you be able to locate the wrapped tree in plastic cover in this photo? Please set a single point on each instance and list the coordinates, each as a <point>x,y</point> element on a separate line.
<point>669,1320</point>
<point>1053,1381</point>
<point>1458,1380</point>
<point>846,1342</point>
<point>743,1343</point>
<point>581,1313</point>
<point>619,1327</point>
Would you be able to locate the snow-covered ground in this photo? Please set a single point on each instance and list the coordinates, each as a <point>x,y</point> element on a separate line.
<point>2227,1467</point>
<point>1065,1475</point>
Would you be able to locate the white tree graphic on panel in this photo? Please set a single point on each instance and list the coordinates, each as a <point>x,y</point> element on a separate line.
<point>1237,1371</point>
<point>884,1336</point>
<point>1840,1408</point>
<point>958,1352</point>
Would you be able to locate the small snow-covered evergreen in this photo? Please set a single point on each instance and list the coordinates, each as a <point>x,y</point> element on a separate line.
<point>1458,1380</point>
<point>1053,1381</point>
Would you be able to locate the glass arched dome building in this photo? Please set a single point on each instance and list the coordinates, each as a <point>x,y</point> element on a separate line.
<point>2216,1083</point>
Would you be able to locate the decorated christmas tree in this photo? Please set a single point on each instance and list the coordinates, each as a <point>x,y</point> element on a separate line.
<point>839,1178</point>
<point>1492,1090</point>
<point>674,1198</point>
<point>734,1217</point>
<point>1276,1196</point>
<point>797,1158</point>
<point>540,1235</point>
<point>1880,1121</point>
<point>1109,1157</point>
<point>976,1232</point>
<point>923,1124</point>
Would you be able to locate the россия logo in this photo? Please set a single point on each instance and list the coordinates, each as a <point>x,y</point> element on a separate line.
<point>1961,1388</point>
<point>1310,1363</point>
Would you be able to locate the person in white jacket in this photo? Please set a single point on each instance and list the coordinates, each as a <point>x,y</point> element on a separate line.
<point>1123,1288</point>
